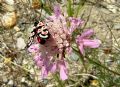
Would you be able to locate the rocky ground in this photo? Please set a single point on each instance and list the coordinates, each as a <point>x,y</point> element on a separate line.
<point>16,22</point>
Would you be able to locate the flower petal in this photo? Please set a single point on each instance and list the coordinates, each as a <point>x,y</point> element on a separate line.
<point>81,48</point>
<point>44,72</point>
<point>39,63</point>
<point>57,11</point>
<point>63,70</point>
<point>74,23</point>
<point>91,43</point>
<point>37,57</point>
<point>63,74</point>
<point>34,48</point>
<point>88,33</point>
<point>53,67</point>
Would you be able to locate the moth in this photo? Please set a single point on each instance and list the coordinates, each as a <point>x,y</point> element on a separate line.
<point>39,33</point>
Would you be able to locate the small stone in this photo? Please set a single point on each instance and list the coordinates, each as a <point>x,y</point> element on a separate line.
<point>36,4</point>
<point>18,34</point>
<point>16,28</point>
<point>25,62</point>
<point>9,8</point>
<point>29,83</point>
<point>10,82</point>
<point>116,26</point>
<point>10,2</point>
<point>20,43</point>
<point>112,8</point>
<point>74,56</point>
<point>23,79</point>
<point>32,70</point>
<point>110,1</point>
<point>9,20</point>
<point>4,79</point>
<point>0,1</point>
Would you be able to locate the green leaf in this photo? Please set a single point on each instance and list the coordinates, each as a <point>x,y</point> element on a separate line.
<point>69,9</point>
<point>43,1</point>
<point>47,10</point>
<point>81,4</point>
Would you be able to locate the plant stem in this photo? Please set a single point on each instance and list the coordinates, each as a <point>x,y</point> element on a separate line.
<point>60,83</point>
<point>81,4</point>
<point>103,66</point>
<point>94,62</point>
<point>69,9</point>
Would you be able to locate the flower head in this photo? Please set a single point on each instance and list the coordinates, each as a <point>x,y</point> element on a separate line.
<point>50,56</point>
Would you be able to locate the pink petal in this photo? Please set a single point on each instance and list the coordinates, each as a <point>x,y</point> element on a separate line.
<point>39,63</point>
<point>53,67</point>
<point>63,70</point>
<point>63,73</point>
<point>87,34</point>
<point>92,43</point>
<point>51,18</point>
<point>34,48</point>
<point>81,48</point>
<point>69,50</point>
<point>57,10</point>
<point>44,72</point>
<point>64,23</point>
<point>37,57</point>
<point>75,23</point>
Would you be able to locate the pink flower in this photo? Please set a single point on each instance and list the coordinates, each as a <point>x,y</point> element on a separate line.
<point>84,41</point>
<point>50,56</point>
<point>75,23</point>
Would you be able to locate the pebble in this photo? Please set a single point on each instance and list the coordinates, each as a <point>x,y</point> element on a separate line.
<point>20,43</point>
<point>4,79</point>
<point>25,62</point>
<point>18,34</point>
<point>10,2</point>
<point>9,20</point>
<point>36,4</point>
<point>23,79</point>
<point>74,56</point>
<point>32,71</point>
<point>110,1</point>
<point>10,82</point>
<point>116,26</point>
<point>16,28</point>
<point>112,8</point>
<point>0,1</point>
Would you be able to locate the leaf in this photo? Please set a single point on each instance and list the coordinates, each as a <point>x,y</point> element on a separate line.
<point>47,10</point>
<point>81,4</point>
<point>69,9</point>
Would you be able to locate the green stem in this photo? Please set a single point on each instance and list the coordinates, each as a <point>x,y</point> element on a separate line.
<point>94,62</point>
<point>81,4</point>
<point>103,66</point>
<point>69,9</point>
<point>60,83</point>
